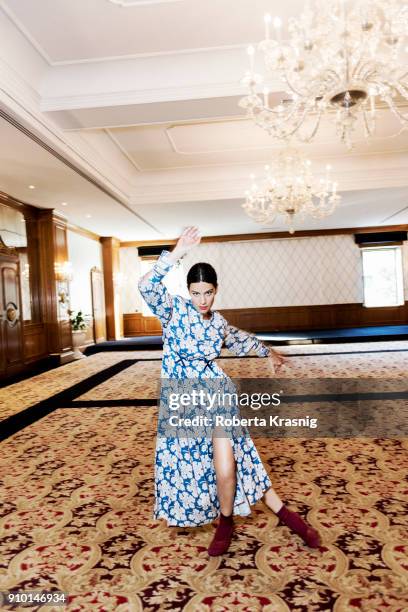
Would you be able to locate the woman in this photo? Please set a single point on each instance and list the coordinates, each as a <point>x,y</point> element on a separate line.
<point>199,479</point>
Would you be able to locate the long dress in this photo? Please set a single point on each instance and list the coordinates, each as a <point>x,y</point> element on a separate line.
<point>185,478</point>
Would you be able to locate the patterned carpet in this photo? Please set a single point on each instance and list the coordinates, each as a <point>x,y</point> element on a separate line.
<point>76,509</point>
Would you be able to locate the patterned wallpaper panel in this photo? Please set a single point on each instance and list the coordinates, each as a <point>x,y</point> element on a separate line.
<point>261,273</point>
<point>291,272</point>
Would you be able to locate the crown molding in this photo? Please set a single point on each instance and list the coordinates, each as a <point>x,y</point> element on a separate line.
<point>83,232</point>
<point>145,96</point>
<point>273,235</point>
<point>10,14</point>
<point>137,3</point>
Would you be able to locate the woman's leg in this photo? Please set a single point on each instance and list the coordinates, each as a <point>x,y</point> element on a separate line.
<point>225,470</point>
<point>273,501</point>
<point>292,519</point>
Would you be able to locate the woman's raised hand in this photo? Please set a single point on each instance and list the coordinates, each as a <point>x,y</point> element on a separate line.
<point>189,238</point>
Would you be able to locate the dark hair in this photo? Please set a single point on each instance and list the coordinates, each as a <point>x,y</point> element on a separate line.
<point>202,273</point>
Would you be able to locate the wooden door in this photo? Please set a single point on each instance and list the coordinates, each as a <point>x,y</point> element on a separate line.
<point>11,332</point>
<point>98,305</point>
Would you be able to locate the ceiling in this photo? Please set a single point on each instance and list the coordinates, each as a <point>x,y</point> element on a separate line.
<point>138,108</point>
<point>89,30</point>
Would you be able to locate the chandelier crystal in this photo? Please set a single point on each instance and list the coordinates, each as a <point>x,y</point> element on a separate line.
<point>346,56</point>
<point>289,188</point>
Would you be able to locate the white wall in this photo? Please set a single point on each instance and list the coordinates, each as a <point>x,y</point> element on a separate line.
<point>84,253</point>
<point>262,273</point>
<point>405,268</point>
<point>130,271</point>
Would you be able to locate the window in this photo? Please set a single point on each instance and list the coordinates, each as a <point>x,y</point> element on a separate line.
<point>175,281</point>
<point>382,276</point>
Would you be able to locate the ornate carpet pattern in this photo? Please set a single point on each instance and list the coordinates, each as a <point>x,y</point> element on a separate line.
<point>15,398</point>
<point>77,493</point>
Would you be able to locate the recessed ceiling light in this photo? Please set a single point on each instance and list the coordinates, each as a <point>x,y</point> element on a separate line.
<point>31,186</point>
<point>63,203</point>
<point>88,216</point>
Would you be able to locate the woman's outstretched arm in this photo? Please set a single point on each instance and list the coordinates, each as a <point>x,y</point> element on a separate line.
<point>241,343</point>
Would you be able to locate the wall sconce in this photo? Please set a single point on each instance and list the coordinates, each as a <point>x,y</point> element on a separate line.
<point>63,298</point>
<point>63,271</point>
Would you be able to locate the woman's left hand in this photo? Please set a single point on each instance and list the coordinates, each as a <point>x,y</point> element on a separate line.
<point>278,360</point>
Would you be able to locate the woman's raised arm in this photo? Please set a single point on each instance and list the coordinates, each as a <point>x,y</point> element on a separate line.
<point>154,291</point>
<point>151,285</point>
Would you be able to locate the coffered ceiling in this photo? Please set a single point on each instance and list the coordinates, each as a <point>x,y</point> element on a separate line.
<point>142,98</point>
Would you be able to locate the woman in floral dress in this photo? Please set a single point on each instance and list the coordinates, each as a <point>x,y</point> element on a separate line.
<point>199,479</point>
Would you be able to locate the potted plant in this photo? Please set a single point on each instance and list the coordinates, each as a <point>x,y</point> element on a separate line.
<point>79,328</point>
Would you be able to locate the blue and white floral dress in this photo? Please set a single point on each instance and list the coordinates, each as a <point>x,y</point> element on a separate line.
<point>185,479</point>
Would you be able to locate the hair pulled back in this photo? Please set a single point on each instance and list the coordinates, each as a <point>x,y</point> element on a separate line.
<point>202,273</point>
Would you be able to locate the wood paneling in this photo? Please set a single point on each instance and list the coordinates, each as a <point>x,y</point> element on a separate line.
<point>11,330</point>
<point>33,250</point>
<point>54,250</point>
<point>98,305</point>
<point>331,316</point>
<point>287,318</point>
<point>111,268</point>
<point>136,324</point>
<point>35,342</point>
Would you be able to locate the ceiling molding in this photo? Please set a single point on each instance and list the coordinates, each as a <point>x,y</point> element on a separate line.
<point>7,10</point>
<point>272,235</point>
<point>83,232</point>
<point>152,54</point>
<point>137,3</point>
<point>145,96</point>
<point>217,188</point>
<point>73,167</point>
<point>122,149</point>
<point>19,104</point>
<point>275,145</point>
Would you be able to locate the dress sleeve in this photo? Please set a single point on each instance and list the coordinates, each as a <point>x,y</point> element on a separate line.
<point>241,342</point>
<point>154,291</point>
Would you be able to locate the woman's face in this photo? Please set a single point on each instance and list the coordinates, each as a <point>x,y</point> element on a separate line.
<point>202,295</point>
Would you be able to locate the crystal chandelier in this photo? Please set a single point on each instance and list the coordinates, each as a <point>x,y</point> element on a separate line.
<point>347,56</point>
<point>290,189</point>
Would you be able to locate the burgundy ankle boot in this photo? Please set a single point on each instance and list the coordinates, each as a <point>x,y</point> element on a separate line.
<point>295,522</point>
<point>222,537</point>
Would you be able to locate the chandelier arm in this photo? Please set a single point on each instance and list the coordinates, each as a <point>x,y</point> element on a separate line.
<point>314,131</point>
<point>288,134</point>
<point>368,129</point>
<point>291,86</point>
<point>359,62</point>
<point>276,112</point>
<point>345,21</point>
<point>401,89</point>
<point>368,75</point>
<point>394,109</point>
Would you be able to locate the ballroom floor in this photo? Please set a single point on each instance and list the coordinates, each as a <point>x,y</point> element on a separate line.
<point>76,472</point>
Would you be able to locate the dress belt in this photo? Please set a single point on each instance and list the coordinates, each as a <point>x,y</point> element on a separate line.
<point>209,362</point>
